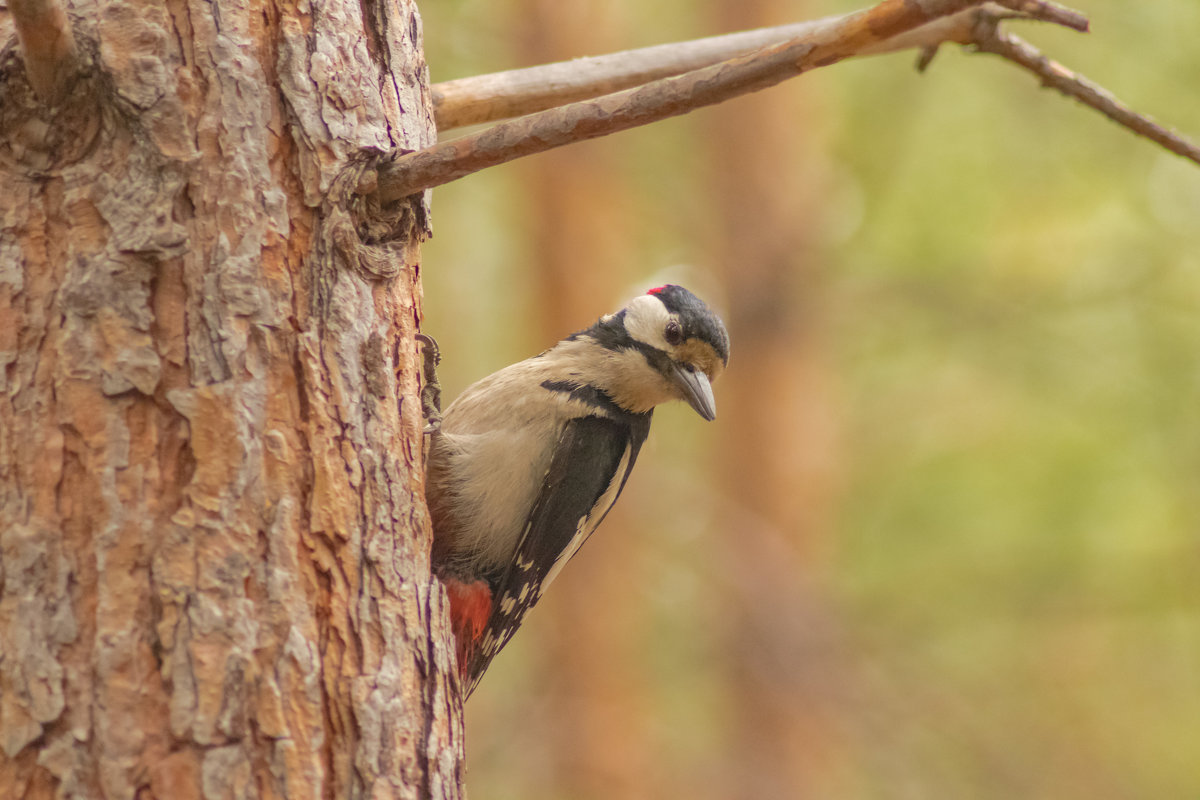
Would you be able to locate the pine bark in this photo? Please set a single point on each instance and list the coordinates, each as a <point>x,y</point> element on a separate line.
<point>214,577</point>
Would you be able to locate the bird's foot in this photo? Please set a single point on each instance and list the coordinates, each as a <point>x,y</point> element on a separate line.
<point>431,390</point>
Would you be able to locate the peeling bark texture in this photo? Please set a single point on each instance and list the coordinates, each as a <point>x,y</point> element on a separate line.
<point>214,575</point>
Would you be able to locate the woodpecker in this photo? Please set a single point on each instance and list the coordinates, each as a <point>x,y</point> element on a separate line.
<point>526,463</point>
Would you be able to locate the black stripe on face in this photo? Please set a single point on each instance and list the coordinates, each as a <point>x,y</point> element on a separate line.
<point>588,395</point>
<point>611,334</point>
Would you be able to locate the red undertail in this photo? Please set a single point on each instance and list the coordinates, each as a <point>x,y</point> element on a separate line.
<point>470,609</point>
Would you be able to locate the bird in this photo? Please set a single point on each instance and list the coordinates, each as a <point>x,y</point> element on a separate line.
<point>525,463</point>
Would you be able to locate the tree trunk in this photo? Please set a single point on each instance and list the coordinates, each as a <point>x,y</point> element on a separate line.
<point>214,576</point>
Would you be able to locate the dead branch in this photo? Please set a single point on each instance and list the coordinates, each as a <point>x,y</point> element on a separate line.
<point>833,42</point>
<point>503,95</point>
<point>448,161</point>
<point>889,26</point>
<point>988,38</point>
<point>514,93</point>
<point>47,46</point>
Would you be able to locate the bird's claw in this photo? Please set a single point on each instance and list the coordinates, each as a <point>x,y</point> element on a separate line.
<point>431,390</point>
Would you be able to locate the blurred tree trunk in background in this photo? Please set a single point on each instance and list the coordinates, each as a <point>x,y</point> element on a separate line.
<point>776,462</point>
<point>214,578</point>
<point>581,254</point>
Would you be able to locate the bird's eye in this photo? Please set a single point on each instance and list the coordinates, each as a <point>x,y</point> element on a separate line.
<point>673,333</point>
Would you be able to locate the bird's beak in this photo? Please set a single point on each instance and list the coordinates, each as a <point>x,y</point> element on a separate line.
<point>697,390</point>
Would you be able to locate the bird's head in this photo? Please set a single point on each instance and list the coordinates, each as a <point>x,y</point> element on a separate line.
<point>670,346</point>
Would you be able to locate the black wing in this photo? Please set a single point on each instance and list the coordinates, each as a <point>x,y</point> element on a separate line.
<point>583,468</point>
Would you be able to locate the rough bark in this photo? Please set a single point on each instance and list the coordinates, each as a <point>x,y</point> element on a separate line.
<point>214,575</point>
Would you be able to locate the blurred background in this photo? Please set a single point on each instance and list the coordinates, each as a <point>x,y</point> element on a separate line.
<point>943,539</point>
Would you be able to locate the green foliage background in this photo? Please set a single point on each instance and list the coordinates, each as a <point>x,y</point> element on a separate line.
<point>1009,301</point>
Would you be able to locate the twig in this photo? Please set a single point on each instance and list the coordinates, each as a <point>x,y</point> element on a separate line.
<point>842,38</point>
<point>990,39</point>
<point>47,44</point>
<point>1048,12</point>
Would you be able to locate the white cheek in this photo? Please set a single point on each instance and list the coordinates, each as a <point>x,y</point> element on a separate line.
<point>645,319</point>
